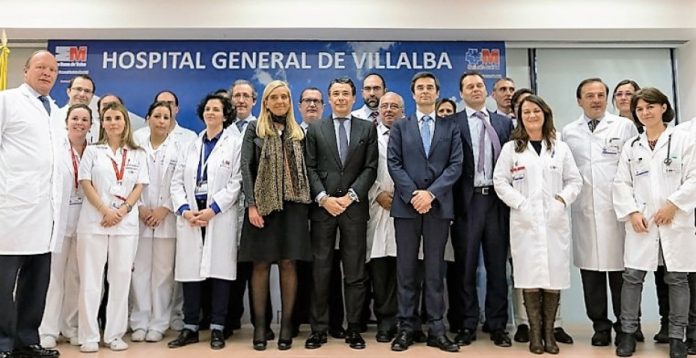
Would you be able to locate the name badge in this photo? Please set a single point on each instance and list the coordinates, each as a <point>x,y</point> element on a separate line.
<point>119,191</point>
<point>640,172</point>
<point>76,200</point>
<point>201,189</point>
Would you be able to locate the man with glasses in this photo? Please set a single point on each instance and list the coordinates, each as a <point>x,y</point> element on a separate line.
<point>372,90</point>
<point>81,91</point>
<point>311,106</point>
<point>243,95</point>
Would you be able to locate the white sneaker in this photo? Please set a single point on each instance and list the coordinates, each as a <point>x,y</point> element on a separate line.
<point>48,342</point>
<point>90,347</point>
<point>118,345</point>
<point>154,336</point>
<point>74,341</point>
<point>138,335</point>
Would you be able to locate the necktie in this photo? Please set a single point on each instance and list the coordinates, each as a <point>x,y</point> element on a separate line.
<point>373,117</point>
<point>240,124</point>
<point>342,139</point>
<point>592,124</point>
<point>492,135</point>
<point>46,104</point>
<point>425,134</point>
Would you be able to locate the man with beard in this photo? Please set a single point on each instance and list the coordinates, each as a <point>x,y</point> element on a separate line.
<point>372,90</point>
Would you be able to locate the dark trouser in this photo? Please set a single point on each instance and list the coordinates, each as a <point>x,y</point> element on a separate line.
<point>453,276</point>
<point>236,297</point>
<point>352,249</point>
<point>662,291</point>
<point>23,284</point>
<point>219,299</point>
<point>484,226</point>
<point>594,287</point>
<point>337,308</point>
<point>408,237</point>
<point>691,328</point>
<point>304,294</point>
<point>304,286</point>
<point>383,272</point>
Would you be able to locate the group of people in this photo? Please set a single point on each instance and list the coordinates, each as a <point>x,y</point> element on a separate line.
<point>157,225</point>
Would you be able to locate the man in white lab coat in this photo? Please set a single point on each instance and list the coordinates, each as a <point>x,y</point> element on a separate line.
<point>30,192</point>
<point>596,140</point>
<point>81,90</point>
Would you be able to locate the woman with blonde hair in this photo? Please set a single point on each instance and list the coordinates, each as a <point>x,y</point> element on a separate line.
<point>277,194</point>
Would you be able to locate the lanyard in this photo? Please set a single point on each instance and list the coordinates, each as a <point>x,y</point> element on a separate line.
<point>204,163</point>
<point>117,171</point>
<point>74,165</point>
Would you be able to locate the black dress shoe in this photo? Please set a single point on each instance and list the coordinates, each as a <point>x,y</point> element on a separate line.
<point>217,339</point>
<point>522,334</point>
<point>677,348</point>
<point>284,344</point>
<point>626,345</point>
<point>384,336</point>
<point>662,336</point>
<point>355,340</point>
<point>315,340</point>
<point>465,337</point>
<point>500,338</point>
<point>601,338</point>
<point>402,341</point>
<point>690,346</point>
<point>562,336</point>
<point>419,337</point>
<point>337,332</point>
<point>442,342</point>
<point>34,351</point>
<point>259,344</point>
<point>186,337</point>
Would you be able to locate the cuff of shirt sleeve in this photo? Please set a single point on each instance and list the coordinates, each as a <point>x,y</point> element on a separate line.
<point>215,207</point>
<point>355,195</point>
<point>183,208</point>
<point>320,196</point>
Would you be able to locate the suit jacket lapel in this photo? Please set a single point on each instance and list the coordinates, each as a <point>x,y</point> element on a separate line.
<point>355,136</point>
<point>436,134</point>
<point>466,132</point>
<point>327,128</point>
<point>416,131</point>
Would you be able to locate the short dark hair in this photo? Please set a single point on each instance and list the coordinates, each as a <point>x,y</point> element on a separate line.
<point>652,95</point>
<point>310,89</point>
<point>467,74</point>
<point>519,93</point>
<point>633,83</point>
<point>86,77</point>
<point>578,91</point>
<point>384,83</point>
<point>441,101</point>
<point>176,99</point>
<point>157,104</point>
<point>228,112</point>
<point>424,74</point>
<point>99,102</point>
<point>342,80</point>
<point>222,91</point>
<point>79,106</point>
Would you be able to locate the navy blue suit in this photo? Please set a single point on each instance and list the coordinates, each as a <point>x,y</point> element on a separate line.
<point>411,169</point>
<point>482,221</point>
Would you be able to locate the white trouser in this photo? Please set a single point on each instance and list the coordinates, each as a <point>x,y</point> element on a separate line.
<point>60,313</point>
<point>93,251</point>
<point>152,285</point>
<point>521,312</point>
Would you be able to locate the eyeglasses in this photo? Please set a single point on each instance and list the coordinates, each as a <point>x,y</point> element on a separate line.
<point>80,89</point>
<point>239,96</point>
<point>389,106</point>
<point>311,101</point>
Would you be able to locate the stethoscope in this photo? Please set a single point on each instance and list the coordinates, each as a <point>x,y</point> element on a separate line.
<point>668,158</point>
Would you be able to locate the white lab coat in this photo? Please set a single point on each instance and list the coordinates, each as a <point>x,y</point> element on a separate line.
<point>539,224</point>
<point>598,238</point>
<point>179,134</point>
<point>644,183</point>
<point>217,257</point>
<point>30,184</point>
<point>381,239</point>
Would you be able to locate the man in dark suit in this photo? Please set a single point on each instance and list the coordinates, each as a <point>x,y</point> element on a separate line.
<point>341,157</point>
<point>424,159</point>
<point>481,218</point>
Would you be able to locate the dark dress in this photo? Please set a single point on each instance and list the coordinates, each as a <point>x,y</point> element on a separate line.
<point>285,235</point>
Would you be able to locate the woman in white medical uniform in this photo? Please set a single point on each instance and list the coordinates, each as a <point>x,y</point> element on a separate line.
<point>60,314</point>
<point>655,195</point>
<point>152,285</point>
<point>537,178</point>
<point>112,174</point>
<point>205,190</point>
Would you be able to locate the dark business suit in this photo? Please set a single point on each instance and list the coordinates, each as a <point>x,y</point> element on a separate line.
<point>481,222</point>
<point>327,174</point>
<point>412,169</point>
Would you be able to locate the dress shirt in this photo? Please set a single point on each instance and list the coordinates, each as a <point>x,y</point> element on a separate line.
<point>484,178</point>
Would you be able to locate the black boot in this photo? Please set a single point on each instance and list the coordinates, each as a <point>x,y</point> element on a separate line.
<point>550,305</point>
<point>626,344</point>
<point>532,303</point>
<point>677,348</point>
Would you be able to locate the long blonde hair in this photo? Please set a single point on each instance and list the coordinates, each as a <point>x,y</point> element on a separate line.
<point>264,124</point>
<point>127,135</point>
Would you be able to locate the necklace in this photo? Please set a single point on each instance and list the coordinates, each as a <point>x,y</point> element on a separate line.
<point>652,143</point>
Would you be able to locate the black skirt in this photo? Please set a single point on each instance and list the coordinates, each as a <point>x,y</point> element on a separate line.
<point>284,236</point>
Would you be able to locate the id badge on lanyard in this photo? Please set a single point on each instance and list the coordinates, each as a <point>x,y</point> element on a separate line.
<point>118,190</point>
<point>202,184</point>
<point>75,198</point>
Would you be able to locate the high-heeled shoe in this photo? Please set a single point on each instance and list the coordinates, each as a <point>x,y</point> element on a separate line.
<point>260,344</point>
<point>284,344</point>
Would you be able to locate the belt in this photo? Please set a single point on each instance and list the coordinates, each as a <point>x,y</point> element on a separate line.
<point>483,190</point>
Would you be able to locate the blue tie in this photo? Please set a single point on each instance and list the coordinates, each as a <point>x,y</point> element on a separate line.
<point>342,140</point>
<point>46,104</point>
<point>240,124</point>
<point>425,134</point>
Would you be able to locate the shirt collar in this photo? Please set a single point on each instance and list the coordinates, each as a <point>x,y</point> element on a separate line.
<point>420,115</point>
<point>334,116</point>
<point>470,112</point>
<point>214,139</point>
<point>587,119</point>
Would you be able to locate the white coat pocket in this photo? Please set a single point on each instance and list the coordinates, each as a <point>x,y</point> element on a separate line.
<point>20,192</point>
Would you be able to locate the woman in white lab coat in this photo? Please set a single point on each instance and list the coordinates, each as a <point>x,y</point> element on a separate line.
<point>152,285</point>
<point>205,190</point>
<point>537,178</point>
<point>60,313</point>
<point>112,174</point>
<point>655,196</point>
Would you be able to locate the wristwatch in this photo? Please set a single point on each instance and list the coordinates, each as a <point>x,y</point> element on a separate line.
<point>129,207</point>
<point>353,196</point>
